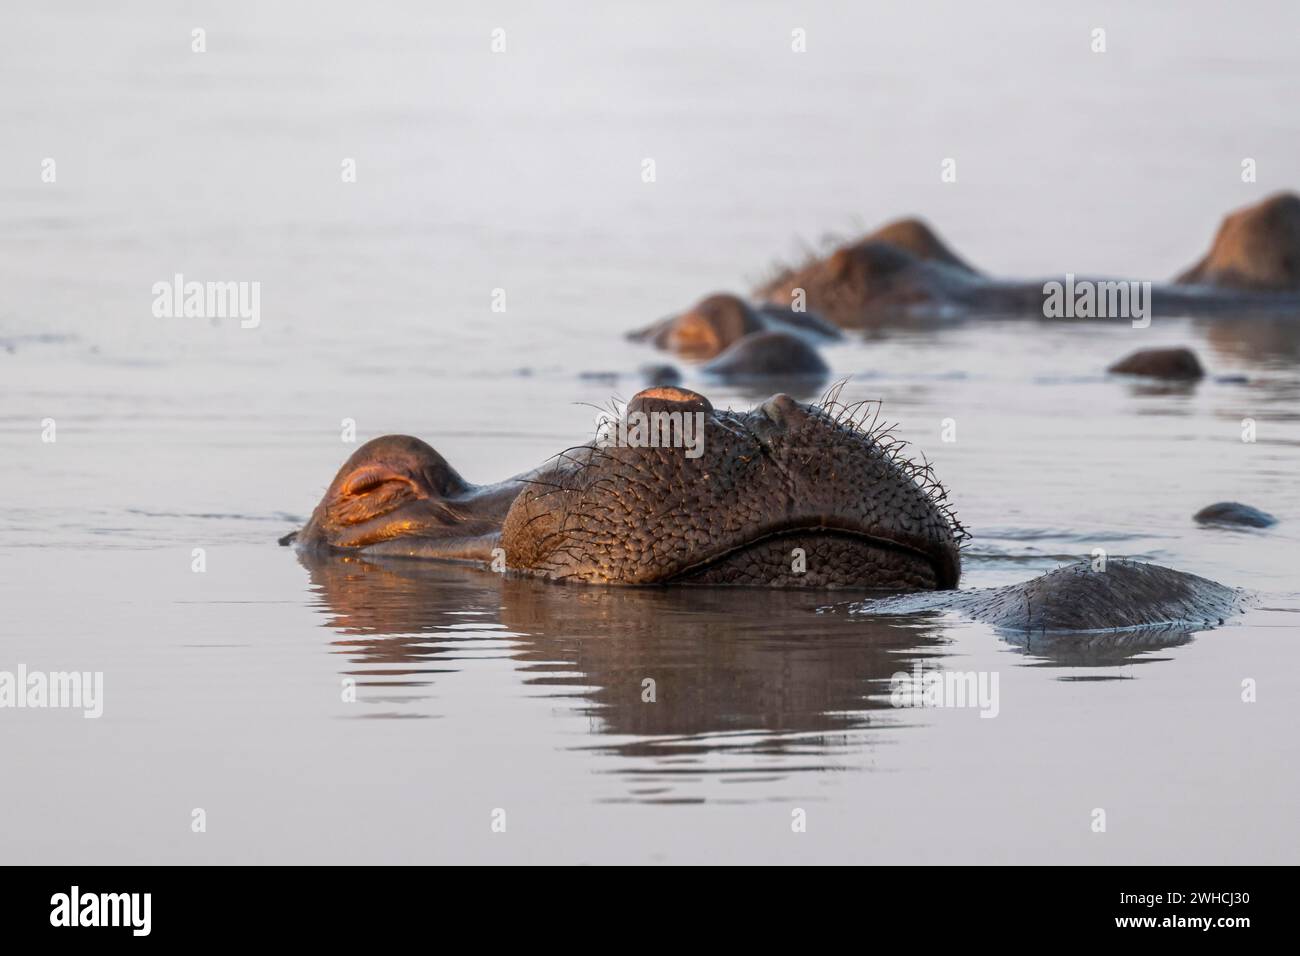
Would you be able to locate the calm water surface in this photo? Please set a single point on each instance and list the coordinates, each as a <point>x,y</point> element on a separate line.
<point>224,690</point>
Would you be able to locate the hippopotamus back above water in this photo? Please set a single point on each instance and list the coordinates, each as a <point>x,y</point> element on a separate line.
<point>783,496</point>
<point>1083,597</point>
<point>904,272</point>
<point>914,236</point>
<point>768,356</point>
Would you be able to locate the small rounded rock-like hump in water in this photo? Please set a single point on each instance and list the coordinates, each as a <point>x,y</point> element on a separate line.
<point>765,355</point>
<point>1178,364</point>
<point>1125,594</point>
<point>1257,248</point>
<point>1080,597</point>
<point>1233,514</point>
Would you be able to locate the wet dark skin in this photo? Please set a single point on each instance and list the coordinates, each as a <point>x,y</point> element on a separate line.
<point>785,495</point>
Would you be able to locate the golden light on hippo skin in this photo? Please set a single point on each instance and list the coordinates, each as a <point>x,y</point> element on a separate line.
<point>668,398</point>
<point>369,492</point>
<point>692,337</point>
<point>369,477</point>
<point>711,325</point>
<point>387,532</point>
<point>1256,247</point>
<point>663,505</point>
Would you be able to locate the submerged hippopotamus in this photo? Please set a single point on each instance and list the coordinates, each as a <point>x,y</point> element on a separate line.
<point>905,272</point>
<point>721,320</point>
<point>768,356</point>
<point>1179,364</point>
<point>1082,598</point>
<point>677,492</point>
<point>1233,514</point>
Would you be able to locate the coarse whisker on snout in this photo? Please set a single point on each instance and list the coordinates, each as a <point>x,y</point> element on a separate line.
<point>832,394</point>
<point>615,406</point>
<point>554,486</point>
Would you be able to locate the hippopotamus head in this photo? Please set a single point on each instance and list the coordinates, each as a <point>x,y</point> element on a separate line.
<point>1256,248</point>
<point>784,495</point>
<point>709,326</point>
<point>394,488</point>
<point>719,321</point>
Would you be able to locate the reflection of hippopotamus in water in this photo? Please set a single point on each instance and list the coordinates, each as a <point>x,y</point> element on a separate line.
<point>783,668</point>
<point>786,495</point>
<point>777,666</point>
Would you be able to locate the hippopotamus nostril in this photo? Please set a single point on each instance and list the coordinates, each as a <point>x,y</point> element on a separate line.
<point>668,398</point>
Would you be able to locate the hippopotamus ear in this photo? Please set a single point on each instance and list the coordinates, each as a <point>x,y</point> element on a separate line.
<point>380,477</point>
<point>374,488</point>
<point>400,462</point>
<point>371,476</point>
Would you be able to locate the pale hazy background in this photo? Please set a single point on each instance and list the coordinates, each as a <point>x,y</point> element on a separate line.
<point>522,171</point>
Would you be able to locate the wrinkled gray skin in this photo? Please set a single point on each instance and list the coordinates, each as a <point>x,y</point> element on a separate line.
<point>768,355</point>
<point>903,273</point>
<point>780,477</point>
<point>1126,594</point>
